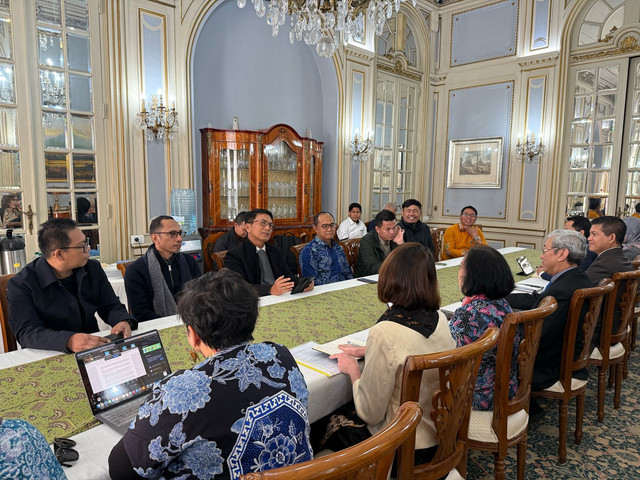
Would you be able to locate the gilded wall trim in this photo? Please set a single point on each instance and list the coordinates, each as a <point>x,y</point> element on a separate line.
<point>529,63</point>
<point>399,69</point>
<point>628,44</point>
<point>359,54</point>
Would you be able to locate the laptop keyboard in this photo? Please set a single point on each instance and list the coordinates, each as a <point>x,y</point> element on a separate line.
<point>122,415</point>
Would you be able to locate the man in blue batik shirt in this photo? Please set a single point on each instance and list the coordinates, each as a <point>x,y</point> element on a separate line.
<point>323,258</point>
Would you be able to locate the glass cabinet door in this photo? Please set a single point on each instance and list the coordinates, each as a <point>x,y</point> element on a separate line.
<point>234,168</point>
<point>282,180</point>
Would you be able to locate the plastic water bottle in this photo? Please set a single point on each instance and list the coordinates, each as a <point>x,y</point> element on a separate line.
<point>183,208</point>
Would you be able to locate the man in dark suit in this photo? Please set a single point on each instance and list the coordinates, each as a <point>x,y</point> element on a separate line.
<point>562,253</point>
<point>605,239</point>
<point>376,245</point>
<point>260,263</point>
<point>581,225</point>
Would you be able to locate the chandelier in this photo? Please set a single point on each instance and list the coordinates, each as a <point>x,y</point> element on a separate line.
<point>325,23</point>
<point>360,148</point>
<point>528,150</point>
<point>158,121</point>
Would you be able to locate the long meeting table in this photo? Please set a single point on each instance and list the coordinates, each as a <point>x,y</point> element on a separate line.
<point>45,388</point>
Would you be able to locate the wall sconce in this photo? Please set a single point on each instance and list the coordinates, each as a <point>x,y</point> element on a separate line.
<point>156,120</point>
<point>360,147</point>
<point>528,149</point>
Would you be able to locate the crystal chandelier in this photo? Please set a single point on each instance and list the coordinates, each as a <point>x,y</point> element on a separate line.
<point>158,121</point>
<point>325,23</point>
<point>528,149</point>
<point>360,148</point>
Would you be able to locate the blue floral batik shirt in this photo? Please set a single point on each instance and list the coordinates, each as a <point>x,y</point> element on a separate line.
<point>326,263</point>
<point>243,410</point>
<point>467,324</point>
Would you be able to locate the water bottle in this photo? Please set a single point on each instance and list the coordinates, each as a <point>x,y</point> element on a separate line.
<point>13,253</point>
<point>183,208</point>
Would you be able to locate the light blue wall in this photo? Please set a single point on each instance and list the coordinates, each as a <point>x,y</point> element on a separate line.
<point>240,70</point>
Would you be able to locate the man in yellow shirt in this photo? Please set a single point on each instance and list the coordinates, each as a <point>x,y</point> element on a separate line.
<point>637,214</point>
<point>459,238</point>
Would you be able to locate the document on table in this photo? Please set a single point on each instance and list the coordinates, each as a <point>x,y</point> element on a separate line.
<point>331,348</point>
<point>306,356</point>
<point>531,284</point>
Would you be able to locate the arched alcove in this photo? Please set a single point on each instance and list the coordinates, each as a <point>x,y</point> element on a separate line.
<point>240,70</point>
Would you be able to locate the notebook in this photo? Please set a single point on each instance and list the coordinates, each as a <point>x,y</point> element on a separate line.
<point>118,376</point>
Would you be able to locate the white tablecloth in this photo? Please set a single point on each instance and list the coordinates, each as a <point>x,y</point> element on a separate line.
<point>94,445</point>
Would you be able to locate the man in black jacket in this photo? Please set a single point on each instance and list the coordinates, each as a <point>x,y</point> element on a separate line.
<point>233,237</point>
<point>414,229</point>
<point>562,253</point>
<point>54,299</point>
<point>260,263</point>
<point>154,280</point>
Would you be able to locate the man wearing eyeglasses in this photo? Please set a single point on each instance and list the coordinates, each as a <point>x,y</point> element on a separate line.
<point>323,258</point>
<point>260,263</point>
<point>458,239</point>
<point>153,281</point>
<point>54,299</point>
<point>562,253</point>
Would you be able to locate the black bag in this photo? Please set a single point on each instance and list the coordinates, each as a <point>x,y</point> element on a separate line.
<point>284,243</point>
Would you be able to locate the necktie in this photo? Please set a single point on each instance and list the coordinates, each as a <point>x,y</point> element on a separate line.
<point>266,273</point>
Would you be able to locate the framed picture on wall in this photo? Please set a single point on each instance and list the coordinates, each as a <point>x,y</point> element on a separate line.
<point>475,163</point>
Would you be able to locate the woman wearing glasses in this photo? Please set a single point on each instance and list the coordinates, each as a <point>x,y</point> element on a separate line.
<point>459,238</point>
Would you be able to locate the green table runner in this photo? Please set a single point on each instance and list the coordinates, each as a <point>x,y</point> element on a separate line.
<point>49,392</point>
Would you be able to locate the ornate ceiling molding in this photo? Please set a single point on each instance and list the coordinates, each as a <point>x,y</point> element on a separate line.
<point>437,79</point>
<point>399,68</point>
<point>528,63</point>
<point>352,52</point>
<point>629,44</point>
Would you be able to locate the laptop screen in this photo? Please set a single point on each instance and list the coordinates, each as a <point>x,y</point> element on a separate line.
<point>121,370</point>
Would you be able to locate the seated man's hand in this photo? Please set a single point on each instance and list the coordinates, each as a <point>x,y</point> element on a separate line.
<point>399,238</point>
<point>123,327</point>
<point>347,364</point>
<point>281,285</point>
<point>82,341</point>
<point>309,287</point>
<point>353,350</point>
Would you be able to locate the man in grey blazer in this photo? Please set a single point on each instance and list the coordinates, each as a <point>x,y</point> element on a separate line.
<point>605,238</point>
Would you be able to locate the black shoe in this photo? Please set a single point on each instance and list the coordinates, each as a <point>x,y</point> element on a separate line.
<point>536,412</point>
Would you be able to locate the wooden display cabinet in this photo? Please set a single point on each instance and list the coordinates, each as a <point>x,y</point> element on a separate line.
<point>276,169</point>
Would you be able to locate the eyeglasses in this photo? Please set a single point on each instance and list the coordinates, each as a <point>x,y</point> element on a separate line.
<point>64,452</point>
<point>545,250</point>
<point>327,226</point>
<point>472,215</point>
<point>264,223</point>
<point>173,233</point>
<point>85,248</point>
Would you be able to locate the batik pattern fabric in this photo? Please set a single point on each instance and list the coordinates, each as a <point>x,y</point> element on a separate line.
<point>25,454</point>
<point>467,325</point>
<point>326,263</point>
<point>243,410</point>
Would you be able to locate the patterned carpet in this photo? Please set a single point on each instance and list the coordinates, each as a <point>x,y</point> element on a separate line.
<point>609,450</point>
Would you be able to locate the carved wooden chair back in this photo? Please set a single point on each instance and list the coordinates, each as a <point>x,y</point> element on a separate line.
<point>351,249</point>
<point>451,403</point>
<point>614,345</point>
<point>636,315</point>
<point>8,339</point>
<point>437,235</point>
<point>530,323</point>
<point>567,387</point>
<point>218,259</point>
<point>207,250</point>
<point>296,249</point>
<point>122,266</point>
<point>370,459</point>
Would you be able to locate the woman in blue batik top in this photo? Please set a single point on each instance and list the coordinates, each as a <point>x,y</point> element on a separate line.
<point>485,279</point>
<point>241,410</point>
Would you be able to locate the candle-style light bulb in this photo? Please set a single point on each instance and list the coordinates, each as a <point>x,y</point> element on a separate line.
<point>142,99</point>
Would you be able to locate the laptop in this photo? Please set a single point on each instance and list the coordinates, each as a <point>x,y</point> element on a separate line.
<point>118,376</point>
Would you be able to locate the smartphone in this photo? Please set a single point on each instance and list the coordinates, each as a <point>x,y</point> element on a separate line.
<point>115,336</point>
<point>302,284</point>
<point>366,280</point>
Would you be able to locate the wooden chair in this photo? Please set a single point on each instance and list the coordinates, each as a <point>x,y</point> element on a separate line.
<point>122,266</point>
<point>207,250</point>
<point>613,347</point>
<point>458,370</point>
<point>568,387</point>
<point>296,249</point>
<point>8,339</point>
<point>636,313</point>
<point>370,459</point>
<point>437,235</point>
<point>351,249</point>
<point>218,259</point>
<point>495,431</point>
